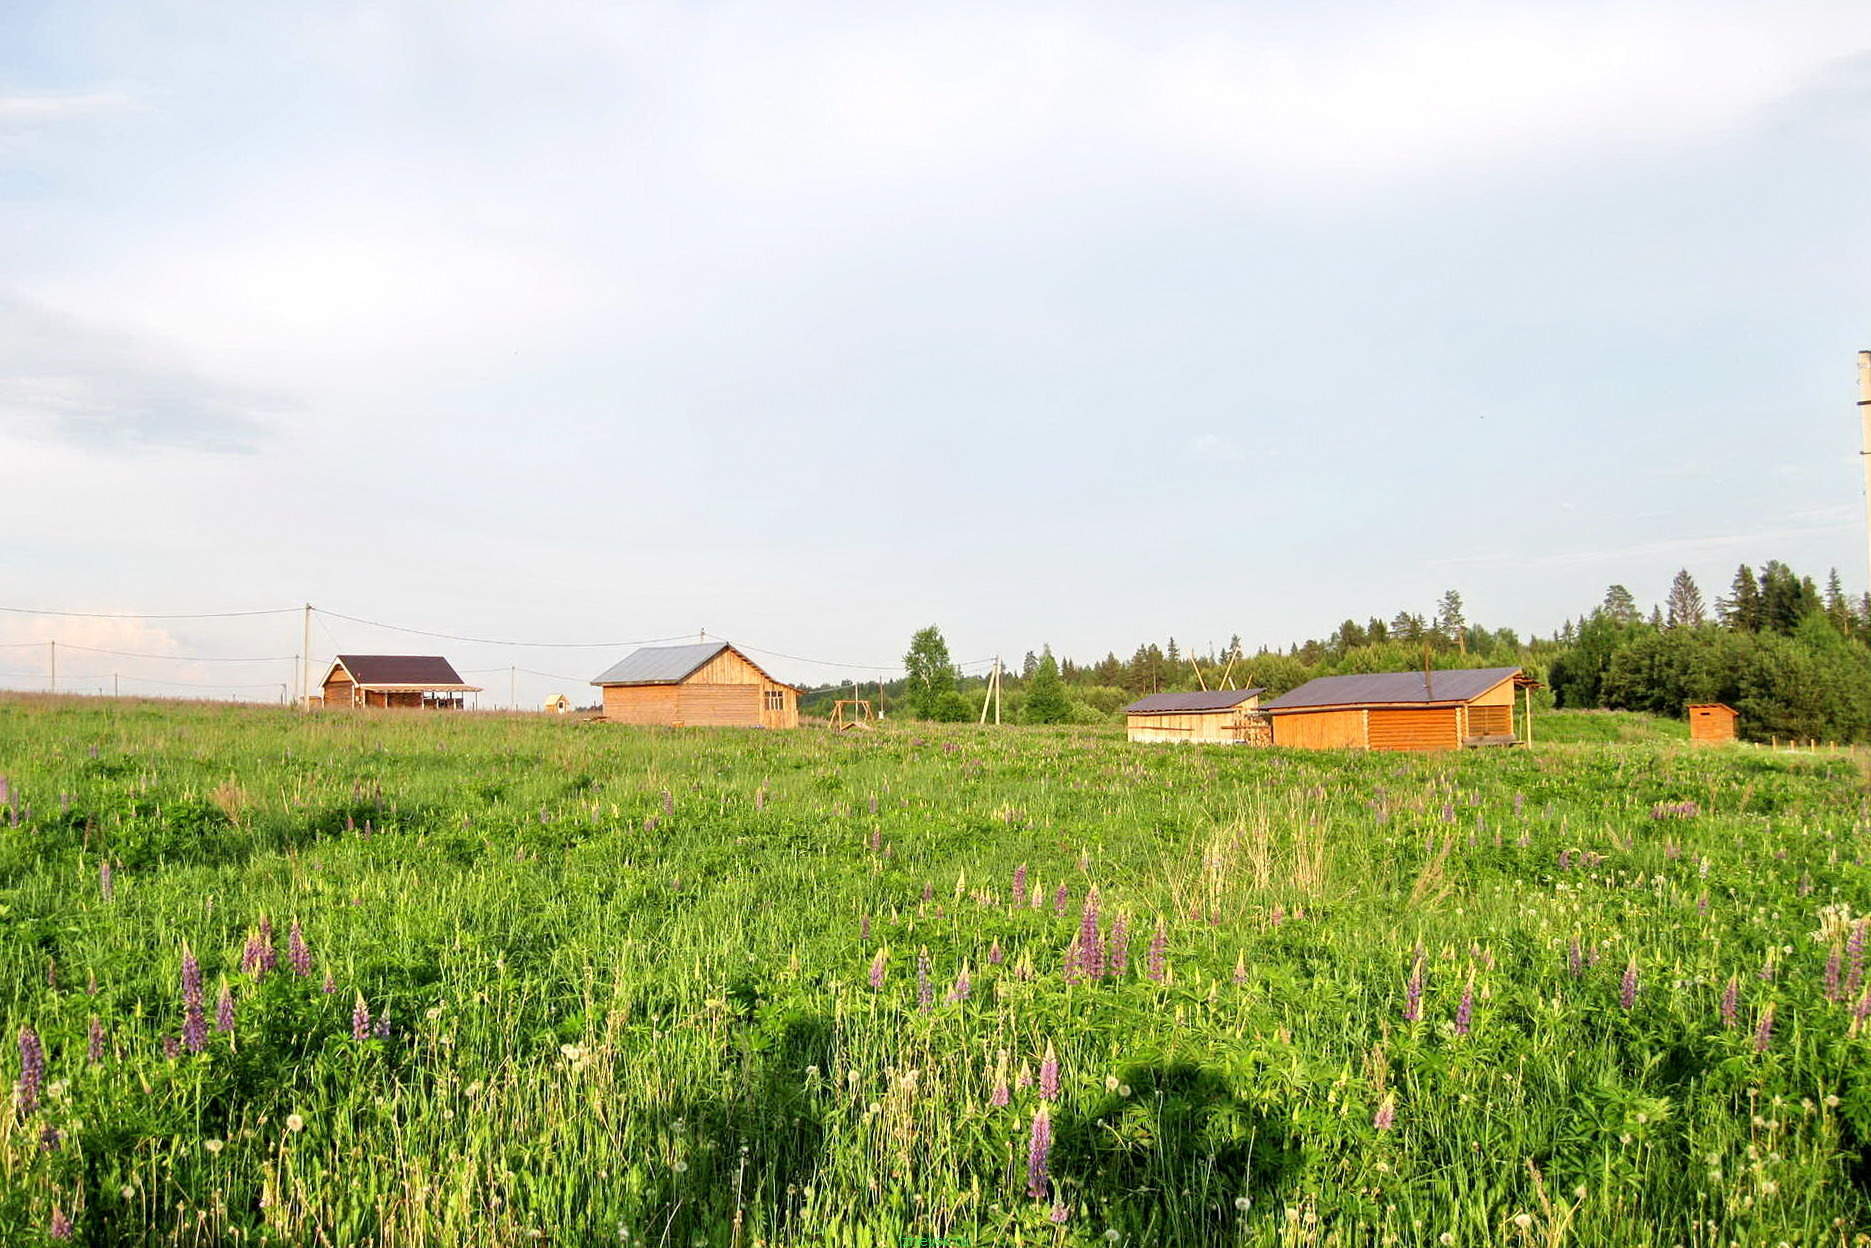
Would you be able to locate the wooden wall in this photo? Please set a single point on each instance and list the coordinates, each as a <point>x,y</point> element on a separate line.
<point>1212,728</point>
<point>727,692</point>
<point>338,690</point>
<point>1711,724</point>
<point>1490,721</point>
<point>1416,728</point>
<point>1319,730</point>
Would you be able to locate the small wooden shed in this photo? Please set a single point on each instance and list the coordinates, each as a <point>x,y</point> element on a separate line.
<point>1433,710</point>
<point>1712,722</point>
<point>558,704</point>
<point>1210,717</point>
<point>709,684</point>
<point>414,681</point>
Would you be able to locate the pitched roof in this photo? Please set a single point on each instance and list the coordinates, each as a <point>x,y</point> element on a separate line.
<point>412,671</point>
<point>1393,688</point>
<point>1191,703</point>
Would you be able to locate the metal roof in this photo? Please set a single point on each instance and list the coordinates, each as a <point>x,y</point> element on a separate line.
<point>404,671</point>
<point>660,665</point>
<point>1393,688</point>
<point>1190,703</point>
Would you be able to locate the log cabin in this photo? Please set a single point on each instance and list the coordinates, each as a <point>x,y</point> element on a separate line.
<point>1711,723</point>
<point>413,681</point>
<point>710,684</point>
<point>1433,710</point>
<point>1210,717</point>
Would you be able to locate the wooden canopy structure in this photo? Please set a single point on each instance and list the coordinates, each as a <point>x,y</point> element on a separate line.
<point>709,684</point>
<point>1427,710</point>
<point>1209,717</point>
<point>1711,723</point>
<point>412,681</point>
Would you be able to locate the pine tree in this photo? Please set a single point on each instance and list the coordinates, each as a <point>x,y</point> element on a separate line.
<point>1045,696</point>
<point>1451,624</point>
<point>1619,606</point>
<point>1028,665</point>
<point>1741,610</point>
<point>1838,609</point>
<point>1234,649</point>
<point>1172,656</point>
<point>1685,601</point>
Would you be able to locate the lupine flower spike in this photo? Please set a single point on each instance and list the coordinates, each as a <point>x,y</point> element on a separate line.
<point>1049,1074</point>
<point>105,888</point>
<point>1413,991</point>
<point>224,1008</point>
<point>1159,945</point>
<point>1764,1030</point>
<point>1627,991</point>
<point>1038,1150</point>
<point>360,1019</point>
<point>1386,1113</point>
<point>298,952</point>
<point>194,1020</point>
<point>1000,1095</point>
<point>1090,940</point>
<point>1117,948</point>
<point>1465,1012</point>
<point>1731,1002</point>
<point>924,992</point>
<point>1240,968</point>
<point>31,1069</point>
<point>877,969</point>
<point>94,1041</point>
<point>963,986</point>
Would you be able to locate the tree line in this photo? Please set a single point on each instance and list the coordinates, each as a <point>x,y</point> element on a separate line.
<point>1791,656</point>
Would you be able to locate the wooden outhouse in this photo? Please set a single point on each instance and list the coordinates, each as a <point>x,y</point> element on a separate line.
<point>710,684</point>
<point>558,704</point>
<point>1212,717</point>
<point>415,681</point>
<point>1401,710</point>
<point>1712,722</point>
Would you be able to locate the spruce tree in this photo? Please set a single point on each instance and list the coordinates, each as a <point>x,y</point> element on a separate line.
<point>1741,610</point>
<point>1685,601</point>
<point>1045,695</point>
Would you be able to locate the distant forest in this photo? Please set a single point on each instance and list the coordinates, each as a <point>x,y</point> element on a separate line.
<point>1793,658</point>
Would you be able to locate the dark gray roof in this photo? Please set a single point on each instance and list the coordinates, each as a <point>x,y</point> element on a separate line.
<point>1390,688</point>
<point>423,671</point>
<point>1175,703</point>
<point>660,665</point>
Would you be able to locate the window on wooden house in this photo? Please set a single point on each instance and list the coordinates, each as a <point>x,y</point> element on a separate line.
<point>776,700</point>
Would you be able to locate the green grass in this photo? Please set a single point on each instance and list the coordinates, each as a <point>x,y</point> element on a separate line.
<point>1606,728</point>
<point>627,981</point>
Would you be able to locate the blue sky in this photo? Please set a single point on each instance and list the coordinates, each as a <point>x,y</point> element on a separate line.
<point>811,324</point>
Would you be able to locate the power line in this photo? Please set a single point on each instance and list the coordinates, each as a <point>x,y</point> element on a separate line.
<point>183,658</point>
<point>492,641</point>
<point>119,615</point>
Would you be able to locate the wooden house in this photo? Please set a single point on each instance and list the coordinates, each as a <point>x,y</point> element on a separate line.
<point>1712,722</point>
<point>710,684</point>
<point>1401,710</point>
<point>558,704</point>
<point>1213,717</point>
<point>416,681</point>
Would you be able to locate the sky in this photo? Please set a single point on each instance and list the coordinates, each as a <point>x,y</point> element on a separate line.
<point>808,324</point>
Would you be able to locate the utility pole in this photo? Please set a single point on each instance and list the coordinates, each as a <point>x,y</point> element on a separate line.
<point>513,687</point>
<point>305,664</point>
<point>52,677</point>
<point>113,686</point>
<point>1864,417</point>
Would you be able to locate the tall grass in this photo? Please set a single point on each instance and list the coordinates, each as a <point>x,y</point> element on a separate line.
<point>626,979</point>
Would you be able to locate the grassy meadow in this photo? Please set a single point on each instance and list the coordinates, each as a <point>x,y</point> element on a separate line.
<point>411,979</point>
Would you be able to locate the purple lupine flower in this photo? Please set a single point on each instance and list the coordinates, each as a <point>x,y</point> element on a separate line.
<point>1090,940</point>
<point>194,1021</point>
<point>61,1227</point>
<point>864,927</point>
<point>1855,956</point>
<point>1117,947</point>
<point>1764,1030</point>
<point>873,805</point>
<point>171,1047</point>
<point>1068,968</point>
<point>1731,1002</point>
<point>1520,802</point>
<point>1413,991</point>
<point>1019,884</point>
<point>31,1069</point>
<point>1627,991</point>
<point>924,993</point>
<point>94,1041</point>
<point>1000,1096</point>
<point>995,955</point>
<point>1575,959</point>
<point>330,986</point>
<point>381,1027</point>
<point>1240,968</point>
<point>1386,1113</point>
<point>760,798</point>
<point>105,888</point>
<point>224,1009</point>
<point>1061,1214</point>
<point>1831,977</point>
<point>1702,905</point>
<point>1862,1010</point>
<point>963,986</point>
<point>1060,898</point>
<point>1465,1012</point>
<point>1565,860</point>
<point>1159,945</point>
<point>50,1137</point>
<point>877,970</point>
<point>1767,966</point>
<point>928,891</point>
<point>360,1019</point>
<point>1038,1149</point>
<point>298,952</point>
<point>1049,1074</point>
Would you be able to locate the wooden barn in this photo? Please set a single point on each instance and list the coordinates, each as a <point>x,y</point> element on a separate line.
<point>1401,710</point>
<point>415,681</point>
<point>1712,722</point>
<point>710,684</point>
<point>1215,717</point>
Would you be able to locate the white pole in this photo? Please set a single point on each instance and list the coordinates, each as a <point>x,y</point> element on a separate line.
<point>305,664</point>
<point>1864,417</point>
<point>52,679</point>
